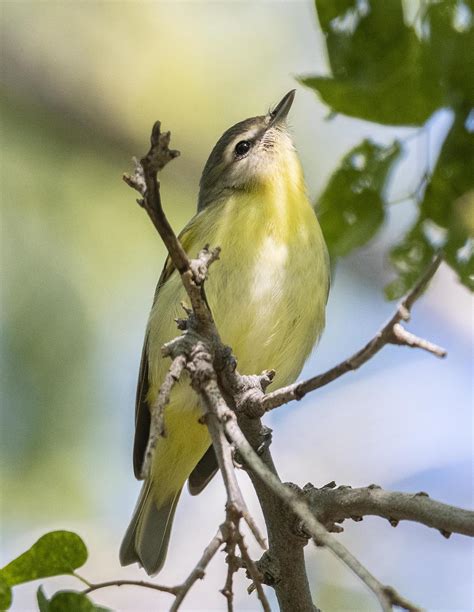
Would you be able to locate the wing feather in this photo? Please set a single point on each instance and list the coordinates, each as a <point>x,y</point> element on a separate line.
<point>142,410</point>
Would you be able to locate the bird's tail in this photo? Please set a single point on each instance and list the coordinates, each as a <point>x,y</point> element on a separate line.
<point>147,537</point>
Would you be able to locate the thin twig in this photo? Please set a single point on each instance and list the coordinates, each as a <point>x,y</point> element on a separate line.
<point>232,565</point>
<point>387,596</point>
<point>254,574</point>
<point>235,501</point>
<point>157,411</point>
<point>144,180</point>
<point>179,591</point>
<point>199,570</point>
<point>391,333</point>
<point>235,506</point>
<point>138,583</point>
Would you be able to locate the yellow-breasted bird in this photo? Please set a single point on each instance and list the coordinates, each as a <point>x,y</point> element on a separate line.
<point>267,293</point>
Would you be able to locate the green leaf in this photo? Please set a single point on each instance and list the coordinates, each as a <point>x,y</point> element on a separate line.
<point>67,601</point>
<point>43,603</point>
<point>453,178</point>
<point>55,553</point>
<point>351,208</point>
<point>410,258</point>
<point>5,595</point>
<point>328,11</point>
<point>379,65</point>
<point>446,219</point>
<point>382,102</point>
<point>451,46</point>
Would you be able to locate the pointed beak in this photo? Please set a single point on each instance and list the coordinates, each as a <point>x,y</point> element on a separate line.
<point>282,109</point>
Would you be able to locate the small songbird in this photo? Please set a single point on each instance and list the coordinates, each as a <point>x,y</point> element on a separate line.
<point>267,293</point>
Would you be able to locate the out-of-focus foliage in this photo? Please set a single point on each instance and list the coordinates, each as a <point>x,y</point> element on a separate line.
<point>66,601</point>
<point>390,72</point>
<point>5,594</point>
<point>54,554</point>
<point>372,54</point>
<point>57,552</point>
<point>357,188</point>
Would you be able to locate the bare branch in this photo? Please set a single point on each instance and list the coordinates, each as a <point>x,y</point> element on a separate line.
<point>405,338</point>
<point>139,583</point>
<point>199,570</point>
<point>235,501</point>
<point>144,180</point>
<point>233,566</point>
<point>332,505</point>
<point>391,333</point>
<point>180,591</point>
<point>387,596</point>
<point>204,380</point>
<point>254,573</point>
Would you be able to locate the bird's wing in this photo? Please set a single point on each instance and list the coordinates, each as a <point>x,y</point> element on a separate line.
<point>142,410</point>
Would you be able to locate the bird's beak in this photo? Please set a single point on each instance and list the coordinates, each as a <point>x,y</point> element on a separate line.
<point>282,109</point>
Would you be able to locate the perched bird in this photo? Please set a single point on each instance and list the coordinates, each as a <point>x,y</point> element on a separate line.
<point>267,293</point>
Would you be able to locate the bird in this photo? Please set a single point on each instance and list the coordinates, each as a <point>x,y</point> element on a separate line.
<point>268,295</point>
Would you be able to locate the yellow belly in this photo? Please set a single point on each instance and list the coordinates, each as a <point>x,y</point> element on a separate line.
<point>267,294</point>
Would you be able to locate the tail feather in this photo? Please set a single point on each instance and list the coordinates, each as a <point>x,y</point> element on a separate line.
<point>203,472</point>
<point>147,537</point>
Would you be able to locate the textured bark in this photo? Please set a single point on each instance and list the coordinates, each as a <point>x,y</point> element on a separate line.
<point>284,566</point>
<point>333,505</point>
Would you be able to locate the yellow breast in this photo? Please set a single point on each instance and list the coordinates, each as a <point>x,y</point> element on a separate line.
<point>269,289</point>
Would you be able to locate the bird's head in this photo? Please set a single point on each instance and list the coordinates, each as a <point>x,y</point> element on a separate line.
<point>250,154</point>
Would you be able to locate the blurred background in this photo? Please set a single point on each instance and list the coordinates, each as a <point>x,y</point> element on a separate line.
<point>82,83</point>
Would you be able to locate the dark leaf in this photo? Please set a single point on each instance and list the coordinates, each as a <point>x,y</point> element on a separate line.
<point>410,258</point>
<point>446,218</point>
<point>450,25</point>
<point>57,552</point>
<point>383,102</point>
<point>67,601</point>
<point>43,603</point>
<point>329,11</point>
<point>378,63</point>
<point>453,178</point>
<point>351,208</point>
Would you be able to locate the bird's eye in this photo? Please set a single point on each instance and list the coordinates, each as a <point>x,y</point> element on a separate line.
<point>242,147</point>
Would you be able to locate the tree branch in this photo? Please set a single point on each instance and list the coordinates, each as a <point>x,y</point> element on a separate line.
<point>332,505</point>
<point>204,381</point>
<point>117,583</point>
<point>199,570</point>
<point>144,180</point>
<point>391,333</point>
<point>387,596</point>
<point>179,591</point>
